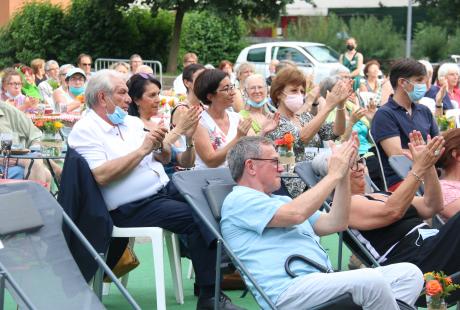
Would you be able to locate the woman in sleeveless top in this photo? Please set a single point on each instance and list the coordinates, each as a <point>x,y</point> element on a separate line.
<point>353,60</point>
<point>449,162</point>
<point>381,88</point>
<point>219,129</point>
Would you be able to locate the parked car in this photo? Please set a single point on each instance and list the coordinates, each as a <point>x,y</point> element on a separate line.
<point>312,58</point>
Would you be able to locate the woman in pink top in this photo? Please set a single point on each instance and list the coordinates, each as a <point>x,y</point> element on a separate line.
<point>449,162</point>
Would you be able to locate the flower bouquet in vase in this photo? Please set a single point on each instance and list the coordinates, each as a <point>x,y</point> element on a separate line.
<point>285,149</point>
<point>437,287</point>
<point>51,142</point>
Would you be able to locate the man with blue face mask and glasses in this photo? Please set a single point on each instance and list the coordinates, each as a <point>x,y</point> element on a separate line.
<point>126,161</point>
<point>401,115</point>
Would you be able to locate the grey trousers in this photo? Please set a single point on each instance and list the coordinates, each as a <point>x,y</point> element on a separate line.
<point>376,288</point>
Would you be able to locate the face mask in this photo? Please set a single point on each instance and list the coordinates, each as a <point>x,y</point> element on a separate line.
<point>350,47</point>
<point>255,104</point>
<point>118,116</point>
<point>417,93</point>
<point>76,91</point>
<point>294,102</point>
<point>10,96</point>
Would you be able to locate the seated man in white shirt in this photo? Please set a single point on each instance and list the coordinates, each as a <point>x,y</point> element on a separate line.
<point>265,229</point>
<point>178,85</point>
<point>126,162</point>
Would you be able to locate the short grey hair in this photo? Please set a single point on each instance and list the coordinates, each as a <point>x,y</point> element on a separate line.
<point>428,66</point>
<point>49,63</point>
<point>243,67</point>
<point>254,77</point>
<point>101,81</point>
<point>320,163</point>
<point>244,149</point>
<point>445,68</point>
<point>339,70</point>
<point>118,64</point>
<point>327,84</point>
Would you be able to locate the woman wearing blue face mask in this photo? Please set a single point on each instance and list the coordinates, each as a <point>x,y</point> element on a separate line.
<point>74,98</point>
<point>288,94</point>
<point>258,105</point>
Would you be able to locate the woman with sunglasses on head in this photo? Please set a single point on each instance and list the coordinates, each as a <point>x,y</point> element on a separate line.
<point>144,90</point>
<point>288,95</point>
<point>256,106</point>
<point>219,128</point>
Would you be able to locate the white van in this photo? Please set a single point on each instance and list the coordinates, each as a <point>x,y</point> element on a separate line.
<point>312,58</point>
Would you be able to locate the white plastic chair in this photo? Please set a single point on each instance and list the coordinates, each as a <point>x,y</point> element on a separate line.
<point>454,113</point>
<point>157,235</point>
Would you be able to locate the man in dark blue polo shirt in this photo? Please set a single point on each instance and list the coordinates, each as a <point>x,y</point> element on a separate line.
<point>402,114</point>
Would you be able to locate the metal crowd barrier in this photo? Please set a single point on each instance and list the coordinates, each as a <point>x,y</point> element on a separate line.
<point>105,63</point>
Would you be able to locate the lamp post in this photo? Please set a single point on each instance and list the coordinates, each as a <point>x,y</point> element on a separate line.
<point>409,29</point>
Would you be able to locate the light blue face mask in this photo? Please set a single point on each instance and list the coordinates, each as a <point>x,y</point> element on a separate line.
<point>77,91</point>
<point>118,116</point>
<point>255,104</point>
<point>417,93</point>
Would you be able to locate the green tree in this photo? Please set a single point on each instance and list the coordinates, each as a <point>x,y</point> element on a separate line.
<point>33,32</point>
<point>327,30</point>
<point>430,42</point>
<point>244,8</point>
<point>211,37</point>
<point>443,13</point>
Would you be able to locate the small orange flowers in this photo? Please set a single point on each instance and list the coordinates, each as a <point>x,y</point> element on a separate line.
<point>433,288</point>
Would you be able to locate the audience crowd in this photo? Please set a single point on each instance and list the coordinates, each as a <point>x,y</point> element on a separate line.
<point>135,134</point>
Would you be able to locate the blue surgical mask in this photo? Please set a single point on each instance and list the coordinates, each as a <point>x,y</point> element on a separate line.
<point>76,91</point>
<point>118,116</point>
<point>255,104</point>
<point>417,93</point>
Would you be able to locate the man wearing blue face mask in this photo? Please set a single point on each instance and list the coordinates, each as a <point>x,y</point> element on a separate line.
<point>401,115</point>
<point>126,161</point>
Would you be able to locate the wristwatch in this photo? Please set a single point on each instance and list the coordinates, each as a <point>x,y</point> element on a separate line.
<point>189,145</point>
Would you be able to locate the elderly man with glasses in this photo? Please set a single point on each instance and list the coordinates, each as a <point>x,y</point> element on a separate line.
<point>264,229</point>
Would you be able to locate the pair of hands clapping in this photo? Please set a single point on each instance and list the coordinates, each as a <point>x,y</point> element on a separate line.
<point>343,156</point>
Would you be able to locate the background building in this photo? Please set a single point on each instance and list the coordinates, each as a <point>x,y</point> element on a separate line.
<point>9,7</point>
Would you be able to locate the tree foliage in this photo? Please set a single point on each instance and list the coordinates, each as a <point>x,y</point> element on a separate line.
<point>430,42</point>
<point>443,13</point>
<point>376,38</point>
<point>211,37</point>
<point>33,32</point>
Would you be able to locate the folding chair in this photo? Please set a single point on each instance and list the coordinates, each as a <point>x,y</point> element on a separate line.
<point>379,157</point>
<point>305,171</point>
<point>402,165</point>
<point>205,190</point>
<point>36,265</point>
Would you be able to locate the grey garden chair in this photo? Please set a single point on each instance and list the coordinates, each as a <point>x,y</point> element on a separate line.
<point>205,190</point>
<point>36,266</point>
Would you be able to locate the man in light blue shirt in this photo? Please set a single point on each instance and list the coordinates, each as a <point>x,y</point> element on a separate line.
<point>264,229</point>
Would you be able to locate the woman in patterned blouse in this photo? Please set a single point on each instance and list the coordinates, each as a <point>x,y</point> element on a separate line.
<point>288,95</point>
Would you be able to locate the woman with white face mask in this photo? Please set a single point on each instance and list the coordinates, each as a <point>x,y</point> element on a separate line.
<point>288,94</point>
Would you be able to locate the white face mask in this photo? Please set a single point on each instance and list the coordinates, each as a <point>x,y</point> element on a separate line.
<point>294,102</point>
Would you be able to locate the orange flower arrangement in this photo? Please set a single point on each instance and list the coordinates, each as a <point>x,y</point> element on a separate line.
<point>438,286</point>
<point>165,101</point>
<point>48,126</point>
<point>287,141</point>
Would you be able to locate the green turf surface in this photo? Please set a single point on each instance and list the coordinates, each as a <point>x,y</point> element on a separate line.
<point>141,283</point>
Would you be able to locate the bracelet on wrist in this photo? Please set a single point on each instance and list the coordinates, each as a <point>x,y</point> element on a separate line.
<point>341,109</point>
<point>439,106</point>
<point>417,177</point>
<point>315,104</point>
<point>189,145</point>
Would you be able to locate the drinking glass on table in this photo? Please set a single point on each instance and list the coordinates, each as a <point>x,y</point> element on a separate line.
<point>6,142</point>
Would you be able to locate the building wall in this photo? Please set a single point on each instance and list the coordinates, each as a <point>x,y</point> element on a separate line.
<point>9,7</point>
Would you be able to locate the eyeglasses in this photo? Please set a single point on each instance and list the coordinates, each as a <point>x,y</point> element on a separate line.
<point>77,79</point>
<point>256,88</point>
<point>360,160</point>
<point>15,84</point>
<point>228,88</point>
<point>86,65</point>
<point>274,161</point>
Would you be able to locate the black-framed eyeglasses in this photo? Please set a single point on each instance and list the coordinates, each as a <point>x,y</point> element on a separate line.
<point>228,88</point>
<point>274,161</point>
<point>360,160</point>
